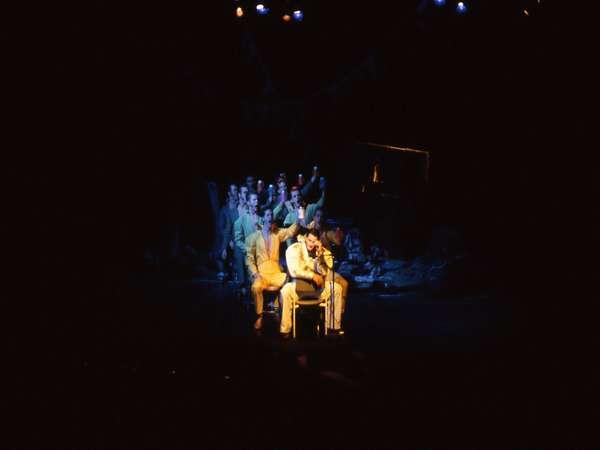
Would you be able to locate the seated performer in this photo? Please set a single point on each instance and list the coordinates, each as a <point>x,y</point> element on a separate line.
<point>330,238</point>
<point>308,260</point>
<point>262,260</point>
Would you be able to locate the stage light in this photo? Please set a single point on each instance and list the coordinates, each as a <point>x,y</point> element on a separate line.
<point>286,18</point>
<point>262,9</point>
<point>526,12</point>
<point>298,15</point>
<point>461,8</point>
<point>239,12</point>
<point>439,2</point>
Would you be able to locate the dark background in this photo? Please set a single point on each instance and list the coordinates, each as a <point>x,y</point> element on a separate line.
<point>135,105</point>
<point>141,103</point>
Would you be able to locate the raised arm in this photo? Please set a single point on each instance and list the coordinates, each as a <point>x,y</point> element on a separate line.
<point>307,187</point>
<point>278,210</point>
<point>287,233</point>
<point>312,208</point>
<point>290,219</point>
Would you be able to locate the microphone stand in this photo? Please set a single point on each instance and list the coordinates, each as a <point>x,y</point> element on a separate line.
<point>332,293</point>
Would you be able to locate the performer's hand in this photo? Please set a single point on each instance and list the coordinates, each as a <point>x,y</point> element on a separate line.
<point>224,254</point>
<point>318,280</point>
<point>315,174</point>
<point>231,245</point>
<point>318,248</point>
<point>322,184</point>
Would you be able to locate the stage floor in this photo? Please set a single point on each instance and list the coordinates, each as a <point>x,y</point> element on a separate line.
<point>175,364</point>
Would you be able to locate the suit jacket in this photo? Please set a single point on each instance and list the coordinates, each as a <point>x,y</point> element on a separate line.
<point>258,257</point>
<point>227,218</point>
<point>243,227</point>
<point>301,265</point>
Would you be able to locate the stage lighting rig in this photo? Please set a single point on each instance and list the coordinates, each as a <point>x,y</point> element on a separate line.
<point>288,11</point>
<point>262,9</point>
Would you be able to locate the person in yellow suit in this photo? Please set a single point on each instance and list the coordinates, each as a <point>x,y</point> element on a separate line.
<point>309,260</point>
<point>262,260</point>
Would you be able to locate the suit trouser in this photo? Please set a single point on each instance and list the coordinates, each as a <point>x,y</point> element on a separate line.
<point>343,283</point>
<point>223,265</point>
<point>266,281</point>
<point>239,265</point>
<point>289,295</point>
<point>220,263</point>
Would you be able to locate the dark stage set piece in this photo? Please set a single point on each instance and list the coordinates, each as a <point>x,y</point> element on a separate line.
<point>452,162</point>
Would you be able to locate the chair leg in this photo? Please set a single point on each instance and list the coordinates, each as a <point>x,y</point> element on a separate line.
<point>294,319</point>
<point>331,304</point>
<point>325,312</point>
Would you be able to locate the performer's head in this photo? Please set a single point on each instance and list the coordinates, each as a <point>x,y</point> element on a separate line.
<point>243,195</point>
<point>318,217</point>
<point>296,198</point>
<point>250,182</point>
<point>232,193</point>
<point>268,220</point>
<point>253,200</point>
<point>311,240</point>
<point>281,182</point>
<point>335,237</point>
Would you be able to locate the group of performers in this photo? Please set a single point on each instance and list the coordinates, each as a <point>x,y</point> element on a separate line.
<point>257,221</point>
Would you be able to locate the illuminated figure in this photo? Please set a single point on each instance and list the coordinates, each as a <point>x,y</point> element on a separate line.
<point>262,260</point>
<point>310,261</point>
<point>285,206</point>
<point>243,200</point>
<point>327,238</point>
<point>296,202</point>
<point>243,227</point>
<point>227,217</point>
